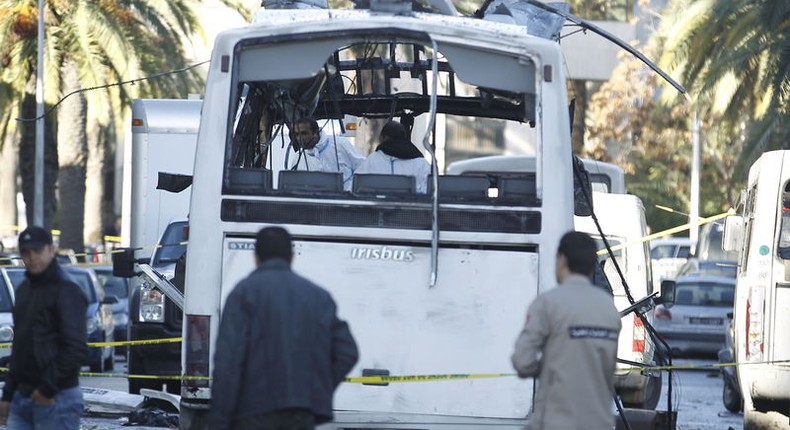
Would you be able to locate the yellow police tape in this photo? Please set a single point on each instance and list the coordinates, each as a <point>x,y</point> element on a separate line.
<point>379,380</point>
<point>673,230</point>
<point>121,343</point>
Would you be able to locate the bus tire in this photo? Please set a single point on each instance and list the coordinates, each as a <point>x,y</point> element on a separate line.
<point>192,418</point>
<point>731,397</point>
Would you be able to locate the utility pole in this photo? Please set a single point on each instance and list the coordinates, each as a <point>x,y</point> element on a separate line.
<point>38,199</point>
<point>695,168</point>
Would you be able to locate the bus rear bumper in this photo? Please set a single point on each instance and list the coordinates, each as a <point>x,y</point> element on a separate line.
<point>770,383</point>
<point>399,420</point>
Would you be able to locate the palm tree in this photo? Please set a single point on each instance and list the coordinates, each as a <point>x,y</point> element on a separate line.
<point>94,44</point>
<point>734,57</point>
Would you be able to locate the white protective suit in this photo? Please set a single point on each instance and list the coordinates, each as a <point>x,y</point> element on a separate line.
<point>379,162</point>
<point>330,154</point>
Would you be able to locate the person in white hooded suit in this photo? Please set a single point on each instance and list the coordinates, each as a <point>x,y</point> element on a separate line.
<point>396,155</point>
<point>321,152</point>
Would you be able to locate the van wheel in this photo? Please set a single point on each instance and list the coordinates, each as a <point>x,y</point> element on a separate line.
<point>731,397</point>
<point>647,400</point>
<point>653,392</point>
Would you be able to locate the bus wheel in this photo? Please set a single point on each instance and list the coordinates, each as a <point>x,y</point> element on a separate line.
<point>192,418</point>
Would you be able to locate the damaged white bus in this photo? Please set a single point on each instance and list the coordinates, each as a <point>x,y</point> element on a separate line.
<point>432,283</point>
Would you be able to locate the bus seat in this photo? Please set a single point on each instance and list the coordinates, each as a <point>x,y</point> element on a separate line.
<point>517,188</point>
<point>302,180</point>
<point>463,187</point>
<point>374,183</point>
<point>248,181</point>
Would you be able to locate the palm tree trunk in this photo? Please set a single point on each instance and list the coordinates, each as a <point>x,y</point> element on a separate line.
<point>27,158</point>
<point>8,189</point>
<point>73,150</point>
<point>94,184</point>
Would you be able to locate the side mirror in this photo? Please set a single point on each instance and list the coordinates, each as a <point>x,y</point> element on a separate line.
<point>732,238</point>
<point>582,189</point>
<point>667,296</point>
<point>123,263</point>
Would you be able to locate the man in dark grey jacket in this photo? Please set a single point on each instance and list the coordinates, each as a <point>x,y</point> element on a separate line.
<point>281,350</point>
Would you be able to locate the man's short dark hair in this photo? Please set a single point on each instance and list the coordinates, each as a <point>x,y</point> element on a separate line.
<point>310,122</point>
<point>580,251</point>
<point>273,242</point>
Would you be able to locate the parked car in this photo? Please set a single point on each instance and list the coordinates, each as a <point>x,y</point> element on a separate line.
<point>697,322</point>
<point>10,259</point>
<point>6,316</point>
<point>667,256</point>
<point>694,266</point>
<point>66,257</point>
<point>118,287</point>
<point>98,317</point>
<point>15,275</point>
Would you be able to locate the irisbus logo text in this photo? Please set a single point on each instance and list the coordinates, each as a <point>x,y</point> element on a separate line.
<point>382,253</point>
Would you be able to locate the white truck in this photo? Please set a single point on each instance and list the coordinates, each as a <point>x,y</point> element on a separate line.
<point>164,138</point>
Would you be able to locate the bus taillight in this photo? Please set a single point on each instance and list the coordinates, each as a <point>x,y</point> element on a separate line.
<point>639,335</point>
<point>755,313</point>
<point>196,352</point>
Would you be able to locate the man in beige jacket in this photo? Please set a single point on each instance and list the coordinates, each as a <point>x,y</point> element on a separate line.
<point>569,342</point>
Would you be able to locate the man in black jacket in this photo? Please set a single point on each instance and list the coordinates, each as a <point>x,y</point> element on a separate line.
<point>42,387</point>
<point>281,350</point>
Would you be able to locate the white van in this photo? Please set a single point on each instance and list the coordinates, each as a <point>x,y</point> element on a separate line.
<point>761,315</point>
<point>622,219</point>
<point>668,255</point>
<point>604,177</point>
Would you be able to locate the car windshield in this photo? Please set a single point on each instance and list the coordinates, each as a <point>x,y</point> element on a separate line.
<point>83,279</point>
<point>113,285</point>
<point>605,275</point>
<point>702,293</point>
<point>172,245</point>
<point>662,251</point>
